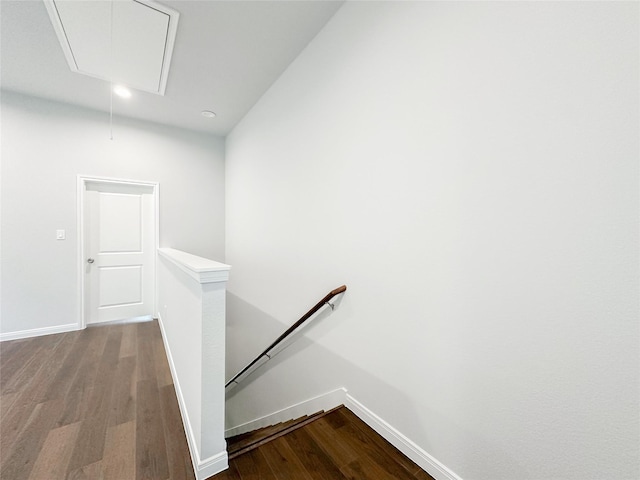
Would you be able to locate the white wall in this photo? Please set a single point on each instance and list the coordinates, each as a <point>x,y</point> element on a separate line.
<point>470,171</point>
<point>44,146</point>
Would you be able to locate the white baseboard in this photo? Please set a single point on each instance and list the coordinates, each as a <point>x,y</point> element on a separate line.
<point>36,332</point>
<point>202,468</point>
<point>425,461</point>
<point>212,465</point>
<point>326,401</point>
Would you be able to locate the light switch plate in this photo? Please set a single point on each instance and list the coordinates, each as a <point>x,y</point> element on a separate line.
<point>60,235</point>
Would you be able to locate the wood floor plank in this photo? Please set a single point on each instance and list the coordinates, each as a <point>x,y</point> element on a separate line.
<point>9,349</point>
<point>86,351</point>
<point>374,437</point>
<point>177,450</point>
<point>119,459</point>
<point>253,466</point>
<point>27,445</point>
<point>335,420</point>
<point>53,460</point>
<point>316,461</point>
<point>6,402</point>
<point>92,471</point>
<point>151,458</point>
<point>283,461</point>
<point>230,474</point>
<point>38,357</point>
<point>385,455</point>
<point>146,368</point>
<point>365,469</point>
<point>17,419</point>
<point>33,390</point>
<point>111,353</point>
<point>78,383</point>
<point>16,358</point>
<point>41,386</point>
<point>91,438</point>
<point>334,446</point>
<point>128,345</point>
<point>90,445</point>
<point>19,375</point>
<point>75,406</point>
<point>123,401</point>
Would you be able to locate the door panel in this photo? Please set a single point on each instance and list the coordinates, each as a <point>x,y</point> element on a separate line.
<point>120,222</point>
<point>119,232</point>
<point>120,286</point>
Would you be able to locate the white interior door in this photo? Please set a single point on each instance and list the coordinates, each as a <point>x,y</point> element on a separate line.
<point>119,249</point>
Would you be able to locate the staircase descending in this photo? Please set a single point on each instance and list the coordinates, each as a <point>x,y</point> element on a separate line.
<point>245,442</point>
<point>334,445</point>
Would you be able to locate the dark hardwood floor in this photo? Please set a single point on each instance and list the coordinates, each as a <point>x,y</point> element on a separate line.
<point>337,445</point>
<point>99,404</point>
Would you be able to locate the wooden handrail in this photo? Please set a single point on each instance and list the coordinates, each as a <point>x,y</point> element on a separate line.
<point>288,331</point>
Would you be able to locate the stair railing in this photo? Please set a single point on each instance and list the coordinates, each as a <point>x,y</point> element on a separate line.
<point>326,301</point>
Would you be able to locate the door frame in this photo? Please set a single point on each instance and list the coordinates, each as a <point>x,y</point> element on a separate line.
<point>82,181</point>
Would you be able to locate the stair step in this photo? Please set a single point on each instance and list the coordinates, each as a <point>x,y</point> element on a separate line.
<point>239,441</point>
<point>245,442</point>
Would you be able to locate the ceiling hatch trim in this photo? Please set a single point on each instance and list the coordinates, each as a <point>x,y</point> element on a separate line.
<point>135,49</point>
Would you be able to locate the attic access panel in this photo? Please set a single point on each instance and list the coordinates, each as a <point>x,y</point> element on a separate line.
<point>135,50</point>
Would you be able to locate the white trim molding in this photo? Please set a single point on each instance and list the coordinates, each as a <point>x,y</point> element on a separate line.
<point>36,332</point>
<point>200,269</point>
<point>210,466</point>
<point>82,181</point>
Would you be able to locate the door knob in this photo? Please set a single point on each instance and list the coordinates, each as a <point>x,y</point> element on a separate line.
<point>90,260</point>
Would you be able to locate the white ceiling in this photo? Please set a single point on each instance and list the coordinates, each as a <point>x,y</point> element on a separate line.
<point>227,54</point>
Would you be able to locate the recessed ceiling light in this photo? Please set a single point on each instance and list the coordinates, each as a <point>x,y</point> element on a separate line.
<point>121,91</point>
<point>207,114</point>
